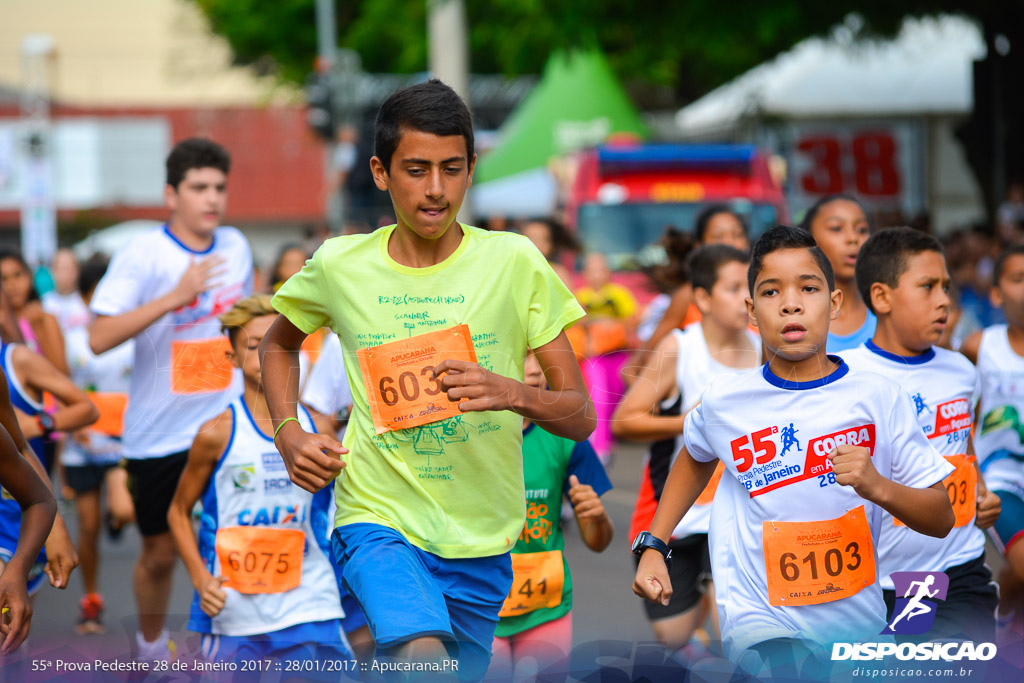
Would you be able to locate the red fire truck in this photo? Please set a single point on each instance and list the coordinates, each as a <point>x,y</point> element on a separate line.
<point>624,196</point>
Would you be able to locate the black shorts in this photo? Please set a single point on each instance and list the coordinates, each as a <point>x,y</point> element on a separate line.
<point>968,610</point>
<point>152,482</point>
<point>691,568</point>
<point>85,478</point>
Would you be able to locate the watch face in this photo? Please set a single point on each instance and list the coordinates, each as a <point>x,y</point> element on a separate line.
<point>45,421</point>
<point>638,542</point>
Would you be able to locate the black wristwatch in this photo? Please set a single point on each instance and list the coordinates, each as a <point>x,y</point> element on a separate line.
<point>645,540</point>
<point>45,422</point>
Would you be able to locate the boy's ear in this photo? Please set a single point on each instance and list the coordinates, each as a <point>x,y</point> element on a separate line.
<point>751,313</point>
<point>702,298</point>
<point>995,295</point>
<point>836,304</point>
<point>472,167</point>
<point>170,197</point>
<point>232,358</point>
<point>380,174</point>
<point>881,300</point>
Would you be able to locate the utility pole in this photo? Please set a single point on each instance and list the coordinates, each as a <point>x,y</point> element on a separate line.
<point>38,204</point>
<point>327,53</point>
<point>448,41</point>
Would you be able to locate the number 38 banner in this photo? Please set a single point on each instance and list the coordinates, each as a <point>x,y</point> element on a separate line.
<point>401,387</point>
<point>881,162</point>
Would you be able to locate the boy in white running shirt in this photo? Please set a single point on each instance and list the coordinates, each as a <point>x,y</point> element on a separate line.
<point>264,581</point>
<point>165,289</point>
<point>683,364</point>
<point>813,450</point>
<point>903,280</point>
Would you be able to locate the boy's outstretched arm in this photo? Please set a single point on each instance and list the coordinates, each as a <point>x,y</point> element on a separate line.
<point>563,409</point>
<point>206,450</point>
<point>309,466</point>
<point>926,511</point>
<point>38,509</point>
<point>634,418</point>
<point>686,480</point>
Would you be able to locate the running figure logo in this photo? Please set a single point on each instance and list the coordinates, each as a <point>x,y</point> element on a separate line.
<point>920,404</point>
<point>914,612</point>
<point>789,439</point>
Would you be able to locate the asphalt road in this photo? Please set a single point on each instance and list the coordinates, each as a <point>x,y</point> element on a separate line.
<point>605,612</point>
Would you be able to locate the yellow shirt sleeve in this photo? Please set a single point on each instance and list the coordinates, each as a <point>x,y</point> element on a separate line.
<point>551,308</point>
<point>303,298</point>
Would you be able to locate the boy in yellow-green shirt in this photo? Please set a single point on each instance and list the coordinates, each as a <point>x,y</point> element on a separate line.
<point>435,319</point>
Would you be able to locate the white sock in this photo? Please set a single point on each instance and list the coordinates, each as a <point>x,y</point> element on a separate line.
<point>153,650</point>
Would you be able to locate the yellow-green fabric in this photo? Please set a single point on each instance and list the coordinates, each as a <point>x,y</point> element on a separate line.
<point>453,488</point>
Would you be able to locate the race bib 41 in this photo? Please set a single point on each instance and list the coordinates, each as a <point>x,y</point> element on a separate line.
<point>537,580</point>
<point>399,379</point>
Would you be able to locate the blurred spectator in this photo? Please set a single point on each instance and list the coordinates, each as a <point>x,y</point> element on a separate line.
<point>552,240</point>
<point>496,223</point>
<point>356,228</point>
<point>1010,215</point>
<point>22,318</point>
<point>715,224</point>
<point>343,160</point>
<point>611,310</point>
<point>290,260</point>
<point>969,259</point>
<point>64,302</point>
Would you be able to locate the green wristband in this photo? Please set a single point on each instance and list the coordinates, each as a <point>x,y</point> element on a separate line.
<point>284,422</point>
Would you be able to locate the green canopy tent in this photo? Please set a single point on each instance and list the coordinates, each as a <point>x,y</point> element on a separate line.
<point>578,103</point>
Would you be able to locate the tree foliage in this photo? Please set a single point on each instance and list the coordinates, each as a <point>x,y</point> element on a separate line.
<point>689,46</point>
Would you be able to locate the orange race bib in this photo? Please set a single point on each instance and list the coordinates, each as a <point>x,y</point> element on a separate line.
<point>707,496</point>
<point>256,559</point>
<point>809,563</point>
<point>111,407</point>
<point>200,366</point>
<point>537,580</point>
<point>399,378</point>
<point>962,489</point>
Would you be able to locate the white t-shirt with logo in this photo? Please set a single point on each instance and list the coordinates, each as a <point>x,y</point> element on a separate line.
<point>942,385</point>
<point>178,380</point>
<point>108,373</point>
<point>695,368</point>
<point>773,436</point>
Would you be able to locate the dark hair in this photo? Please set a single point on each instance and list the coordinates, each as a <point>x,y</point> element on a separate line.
<point>828,199</point>
<point>883,258</point>
<point>700,226</point>
<point>90,272</point>
<point>430,107</point>
<point>1000,264</point>
<point>15,255</point>
<point>195,153</point>
<point>787,237</point>
<point>705,262</point>
<point>670,270</point>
